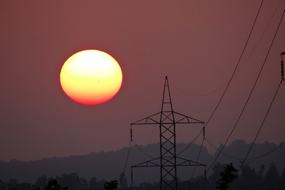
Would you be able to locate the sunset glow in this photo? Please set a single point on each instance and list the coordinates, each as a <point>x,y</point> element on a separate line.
<point>91,77</point>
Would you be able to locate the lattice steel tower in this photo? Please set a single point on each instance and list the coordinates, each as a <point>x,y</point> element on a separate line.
<point>167,120</point>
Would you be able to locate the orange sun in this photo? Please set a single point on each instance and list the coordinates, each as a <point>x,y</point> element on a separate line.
<point>91,77</point>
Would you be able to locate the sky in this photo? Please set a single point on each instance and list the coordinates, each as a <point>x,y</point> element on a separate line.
<point>195,43</point>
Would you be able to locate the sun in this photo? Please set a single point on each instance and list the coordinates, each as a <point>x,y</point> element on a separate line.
<point>91,77</point>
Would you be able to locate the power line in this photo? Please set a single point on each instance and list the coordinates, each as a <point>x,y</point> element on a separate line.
<point>261,125</point>
<point>141,150</point>
<point>250,94</point>
<point>198,156</point>
<point>236,66</point>
<point>232,75</point>
<point>266,153</point>
<point>191,143</point>
<point>266,28</point>
<point>127,158</point>
<point>225,154</point>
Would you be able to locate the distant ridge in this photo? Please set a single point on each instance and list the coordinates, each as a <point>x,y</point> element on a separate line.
<point>108,165</point>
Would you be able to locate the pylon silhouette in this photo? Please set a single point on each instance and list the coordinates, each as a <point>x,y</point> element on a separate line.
<point>167,120</point>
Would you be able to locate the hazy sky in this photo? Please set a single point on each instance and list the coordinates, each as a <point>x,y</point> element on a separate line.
<point>196,43</point>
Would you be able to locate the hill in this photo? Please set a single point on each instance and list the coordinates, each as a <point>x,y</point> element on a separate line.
<point>109,165</point>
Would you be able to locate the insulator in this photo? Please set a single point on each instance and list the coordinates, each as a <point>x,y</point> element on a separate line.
<point>204,133</point>
<point>205,174</point>
<point>282,65</point>
<point>282,69</point>
<point>132,177</point>
<point>131,134</point>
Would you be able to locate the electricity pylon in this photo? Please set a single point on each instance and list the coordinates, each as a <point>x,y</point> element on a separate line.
<point>167,120</point>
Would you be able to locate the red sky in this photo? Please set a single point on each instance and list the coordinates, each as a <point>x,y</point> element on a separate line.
<point>196,43</point>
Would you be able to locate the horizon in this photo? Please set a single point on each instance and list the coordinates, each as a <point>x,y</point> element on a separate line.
<point>208,148</point>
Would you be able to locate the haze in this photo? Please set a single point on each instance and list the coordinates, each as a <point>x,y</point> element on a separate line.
<point>195,43</point>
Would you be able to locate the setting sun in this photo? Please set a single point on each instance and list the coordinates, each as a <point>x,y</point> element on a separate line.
<point>91,77</point>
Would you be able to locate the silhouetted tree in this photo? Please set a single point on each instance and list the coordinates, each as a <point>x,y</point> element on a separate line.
<point>198,183</point>
<point>212,179</point>
<point>283,179</point>
<point>2,185</point>
<point>12,184</point>
<point>53,185</point>
<point>217,169</point>
<point>224,175</point>
<point>72,180</point>
<point>93,184</point>
<point>248,178</point>
<point>24,186</point>
<point>41,182</point>
<point>111,185</point>
<point>123,181</point>
<point>83,183</point>
<point>227,176</point>
<point>261,171</point>
<point>272,178</point>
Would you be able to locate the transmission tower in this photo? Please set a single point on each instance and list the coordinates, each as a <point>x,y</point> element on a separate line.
<point>167,120</point>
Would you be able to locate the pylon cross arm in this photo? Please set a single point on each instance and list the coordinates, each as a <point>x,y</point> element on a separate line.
<point>186,162</point>
<point>184,119</point>
<point>149,120</point>
<point>155,162</point>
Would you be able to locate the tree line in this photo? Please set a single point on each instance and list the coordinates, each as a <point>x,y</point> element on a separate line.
<point>223,177</point>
